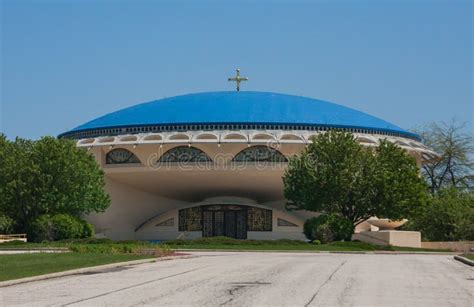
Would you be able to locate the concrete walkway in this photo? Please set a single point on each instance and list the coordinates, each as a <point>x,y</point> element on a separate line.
<point>32,251</point>
<point>258,279</point>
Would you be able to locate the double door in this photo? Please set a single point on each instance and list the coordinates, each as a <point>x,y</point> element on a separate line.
<point>225,220</point>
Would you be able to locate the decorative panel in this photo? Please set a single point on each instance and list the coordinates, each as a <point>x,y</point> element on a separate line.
<point>259,219</point>
<point>207,224</point>
<point>190,219</point>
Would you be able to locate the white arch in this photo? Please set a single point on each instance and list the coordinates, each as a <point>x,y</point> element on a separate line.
<point>262,136</point>
<point>235,137</point>
<point>208,136</point>
<point>128,138</point>
<point>418,145</point>
<point>402,143</point>
<point>86,141</point>
<point>366,139</point>
<point>179,137</point>
<point>291,137</point>
<point>153,137</point>
<point>107,139</point>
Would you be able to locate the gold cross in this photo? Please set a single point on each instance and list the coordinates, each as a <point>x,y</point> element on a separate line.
<point>238,79</point>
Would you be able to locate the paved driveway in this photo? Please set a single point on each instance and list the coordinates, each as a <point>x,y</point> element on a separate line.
<point>258,279</point>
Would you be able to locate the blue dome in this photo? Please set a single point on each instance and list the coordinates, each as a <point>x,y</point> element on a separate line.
<point>248,108</point>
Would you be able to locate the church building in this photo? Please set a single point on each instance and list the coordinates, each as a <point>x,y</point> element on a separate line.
<point>211,164</point>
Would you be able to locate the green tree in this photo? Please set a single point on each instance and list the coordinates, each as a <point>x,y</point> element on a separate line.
<point>455,166</point>
<point>48,176</point>
<point>447,216</point>
<point>335,174</point>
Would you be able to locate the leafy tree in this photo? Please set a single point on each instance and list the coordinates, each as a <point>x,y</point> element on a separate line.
<point>447,216</point>
<point>335,174</point>
<point>455,168</point>
<point>48,176</point>
<point>16,181</point>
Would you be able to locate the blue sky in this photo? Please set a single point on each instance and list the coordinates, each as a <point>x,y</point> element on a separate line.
<point>66,62</point>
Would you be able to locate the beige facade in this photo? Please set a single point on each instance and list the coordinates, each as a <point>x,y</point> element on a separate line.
<point>148,196</point>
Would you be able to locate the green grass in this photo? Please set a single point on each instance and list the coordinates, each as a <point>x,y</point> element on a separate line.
<point>468,256</point>
<point>96,246</point>
<point>223,243</point>
<point>215,243</point>
<point>26,265</point>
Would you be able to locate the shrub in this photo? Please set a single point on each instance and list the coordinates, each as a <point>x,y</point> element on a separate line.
<point>14,242</point>
<point>66,226</point>
<point>135,242</point>
<point>141,248</point>
<point>327,228</point>
<point>59,227</point>
<point>41,229</point>
<point>87,229</point>
<point>88,241</point>
<point>231,241</point>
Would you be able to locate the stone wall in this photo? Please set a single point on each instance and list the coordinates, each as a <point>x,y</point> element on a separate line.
<point>390,237</point>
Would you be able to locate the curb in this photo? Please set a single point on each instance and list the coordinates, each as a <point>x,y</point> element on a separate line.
<point>88,270</point>
<point>464,260</point>
<point>319,252</point>
<point>37,250</point>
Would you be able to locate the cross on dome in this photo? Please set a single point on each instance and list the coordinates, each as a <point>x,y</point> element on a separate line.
<point>238,79</point>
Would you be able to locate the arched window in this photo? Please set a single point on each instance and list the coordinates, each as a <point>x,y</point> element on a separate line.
<point>184,154</point>
<point>260,154</point>
<point>121,156</point>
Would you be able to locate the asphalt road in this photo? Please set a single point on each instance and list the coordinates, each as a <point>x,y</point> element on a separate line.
<point>259,279</point>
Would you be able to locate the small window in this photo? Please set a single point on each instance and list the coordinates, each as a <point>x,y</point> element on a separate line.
<point>285,223</point>
<point>121,156</point>
<point>184,154</point>
<point>166,223</point>
<point>260,154</point>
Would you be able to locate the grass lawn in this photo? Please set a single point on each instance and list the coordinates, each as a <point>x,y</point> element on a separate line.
<point>468,256</point>
<point>26,265</point>
<point>215,243</point>
<point>285,245</point>
<point>92,245</point>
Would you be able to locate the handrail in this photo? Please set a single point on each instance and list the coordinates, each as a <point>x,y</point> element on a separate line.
<point>13,236</point>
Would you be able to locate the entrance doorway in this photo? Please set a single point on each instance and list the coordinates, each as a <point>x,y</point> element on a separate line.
<point>224,220</point>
